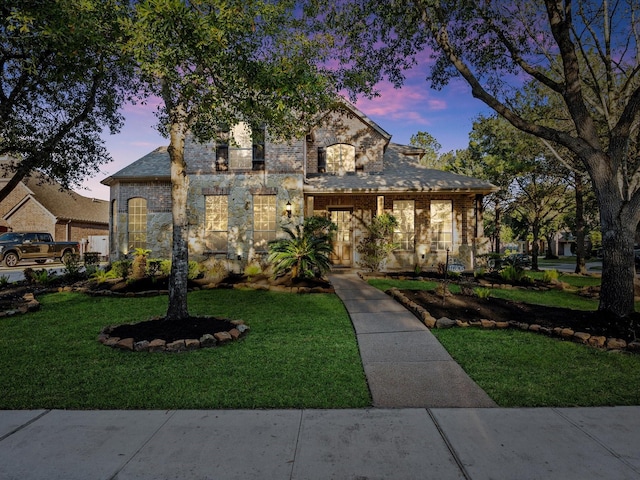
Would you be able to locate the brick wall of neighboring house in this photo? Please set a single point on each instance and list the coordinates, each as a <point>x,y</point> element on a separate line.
<point>32,216</point>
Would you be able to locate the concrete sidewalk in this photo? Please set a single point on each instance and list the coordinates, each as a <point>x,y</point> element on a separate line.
<point>385,444</point>
<point>404,363</point>
<point>405,367</point>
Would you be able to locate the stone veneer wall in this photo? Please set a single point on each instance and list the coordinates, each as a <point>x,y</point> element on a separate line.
<point>346,127</point>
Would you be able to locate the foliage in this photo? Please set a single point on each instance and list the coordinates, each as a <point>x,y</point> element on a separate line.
<point>72,266</point>
<point>482,293</point>
<point>216,65</point>
<point>514,274</point>
<point>102,276</point>
<point>165,267</point>
<point>194,270</point>
<point>213,270</point>
<point>479,272</point>
<point>376,245</point>
<point>275,366</point>
<point>252,270</point>
<point>305,253</point>
<point>549,276</point>
<point>139,265</point>
<point>63,80</point>
<point>43,276</point>
<point>555,53</point>
<point>4,281</point>
<point>431,147</point>
<point>121,268</point>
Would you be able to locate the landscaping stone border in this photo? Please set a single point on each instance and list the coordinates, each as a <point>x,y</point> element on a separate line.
<point>30,305</point>
<point>182,345</point>
<point>596,341</point>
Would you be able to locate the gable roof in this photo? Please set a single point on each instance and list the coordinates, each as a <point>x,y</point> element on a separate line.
<point>155,165</point>
<point>62,204</point>
<point>401,173</point>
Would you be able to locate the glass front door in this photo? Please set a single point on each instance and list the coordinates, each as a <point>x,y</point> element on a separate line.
<point>342,248</point>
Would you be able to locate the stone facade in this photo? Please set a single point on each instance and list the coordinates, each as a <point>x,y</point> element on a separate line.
<point>301,181</point>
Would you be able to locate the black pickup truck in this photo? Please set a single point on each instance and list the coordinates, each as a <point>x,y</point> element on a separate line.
<point>37,246</point>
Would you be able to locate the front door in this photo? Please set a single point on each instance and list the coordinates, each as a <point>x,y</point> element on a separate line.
<point>342,248</point>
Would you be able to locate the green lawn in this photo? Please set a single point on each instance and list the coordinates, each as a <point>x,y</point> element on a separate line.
<point>300,353</point>
<point>525,369</point>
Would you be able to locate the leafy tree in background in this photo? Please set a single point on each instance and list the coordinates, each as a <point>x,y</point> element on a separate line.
<point>582,53</point>
<point>431,147</point>
<point>216,63</point>
<point>61,83</point>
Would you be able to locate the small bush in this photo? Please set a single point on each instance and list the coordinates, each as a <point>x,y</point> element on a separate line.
<point>550,276</point>
<point>154,267</point>
<point>213,270</point>
<point>479,272</point>
<point>102,276</point>
<point>482,293</point>
<point>454,275</point>
<point>121,268</point>
<point>252,270</point>
<point>27,273</point>
<point>4,281</point>
<point>72,266</point>
<point>43,276</point>
<point>194,270</point>
<point>165,267</point>
<point>512,274</point>
<point>91,258</point>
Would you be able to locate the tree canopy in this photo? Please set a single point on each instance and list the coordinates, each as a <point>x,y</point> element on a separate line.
<point>62,82</point>
<point>581,53</point>
<point>215,64</point>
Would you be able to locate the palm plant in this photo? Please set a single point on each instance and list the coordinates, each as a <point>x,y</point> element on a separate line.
<point>305,253</point>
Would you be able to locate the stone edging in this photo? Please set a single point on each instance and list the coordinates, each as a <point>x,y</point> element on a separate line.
<point>30,305</point>
<point>565,333</point>
<point>186,344</point>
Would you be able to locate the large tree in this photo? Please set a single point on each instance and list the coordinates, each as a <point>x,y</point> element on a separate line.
<point>584,53</point>
<point>61,84</point>
<point>214,64</point>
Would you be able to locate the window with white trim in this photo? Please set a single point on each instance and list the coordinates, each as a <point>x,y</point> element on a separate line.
<point>216,216</point>
<point>441,224</point>
<point>404,233</point>
<point>264,221</point>
<point>137,223</point>
<point>341,157</point>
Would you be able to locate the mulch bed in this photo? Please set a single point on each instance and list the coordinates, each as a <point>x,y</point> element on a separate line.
<point>472,308</point>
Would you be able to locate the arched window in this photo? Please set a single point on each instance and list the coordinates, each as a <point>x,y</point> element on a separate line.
<point>341,157</point>
<point>137,224</point>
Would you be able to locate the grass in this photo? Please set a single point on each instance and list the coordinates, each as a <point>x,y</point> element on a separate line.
<point>300,353</point>
<point>524,369</point>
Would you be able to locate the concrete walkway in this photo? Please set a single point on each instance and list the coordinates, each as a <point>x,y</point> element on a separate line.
<point>426,441</point>
<point>404,363</point>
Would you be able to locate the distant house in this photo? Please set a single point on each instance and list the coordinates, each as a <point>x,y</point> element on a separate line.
<point>242,193</point>
<point>39,205</point>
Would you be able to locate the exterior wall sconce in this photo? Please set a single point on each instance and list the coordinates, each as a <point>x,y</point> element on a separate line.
<point>288,209</point>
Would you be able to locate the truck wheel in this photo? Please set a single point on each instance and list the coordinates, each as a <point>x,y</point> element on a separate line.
<point>66,256</point>
<point>11,259</point>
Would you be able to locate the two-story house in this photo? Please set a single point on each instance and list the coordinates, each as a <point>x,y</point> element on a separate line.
<point>243,192</point>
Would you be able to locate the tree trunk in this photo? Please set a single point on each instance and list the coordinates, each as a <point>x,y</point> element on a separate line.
<point>618,269</point>
<point>180,253</point>
<point>498,227</point>
<point>581,266</point>
<point>535,247</point>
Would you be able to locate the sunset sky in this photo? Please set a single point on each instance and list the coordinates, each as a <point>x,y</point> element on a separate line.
<point>446,114</point>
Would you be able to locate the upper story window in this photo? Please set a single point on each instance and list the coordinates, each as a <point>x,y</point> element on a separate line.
<point>137,223</point>
<point>338,158</point>
<point>242,148</point>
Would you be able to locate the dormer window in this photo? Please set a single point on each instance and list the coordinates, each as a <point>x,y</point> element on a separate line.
<point>340,158</point>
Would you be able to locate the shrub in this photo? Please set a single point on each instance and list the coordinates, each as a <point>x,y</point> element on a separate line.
<point>213,270</point>
<point>165,267</point>
<point>153,267</point>
<point>306,252</point>
<point>91,258</point>
<point>43,276</point>
<point>139,265</point>
<point>102,276</point>
<point>550,276</point>
<point>479,272</point>
<point>27,273</point>
<point>252,270</point>
<point>4,281</point>
<point>121,268</point>
<point>72,266</point>
<point>377,244</point>
<point>194,270</point>
<point>482,293</point>
<point>514,274</point>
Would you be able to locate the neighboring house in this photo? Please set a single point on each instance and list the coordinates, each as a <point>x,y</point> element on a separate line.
<point>241,195</point>
<point>38,205</point>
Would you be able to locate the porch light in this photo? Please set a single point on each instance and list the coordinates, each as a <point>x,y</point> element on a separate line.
<point>288,209</point>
